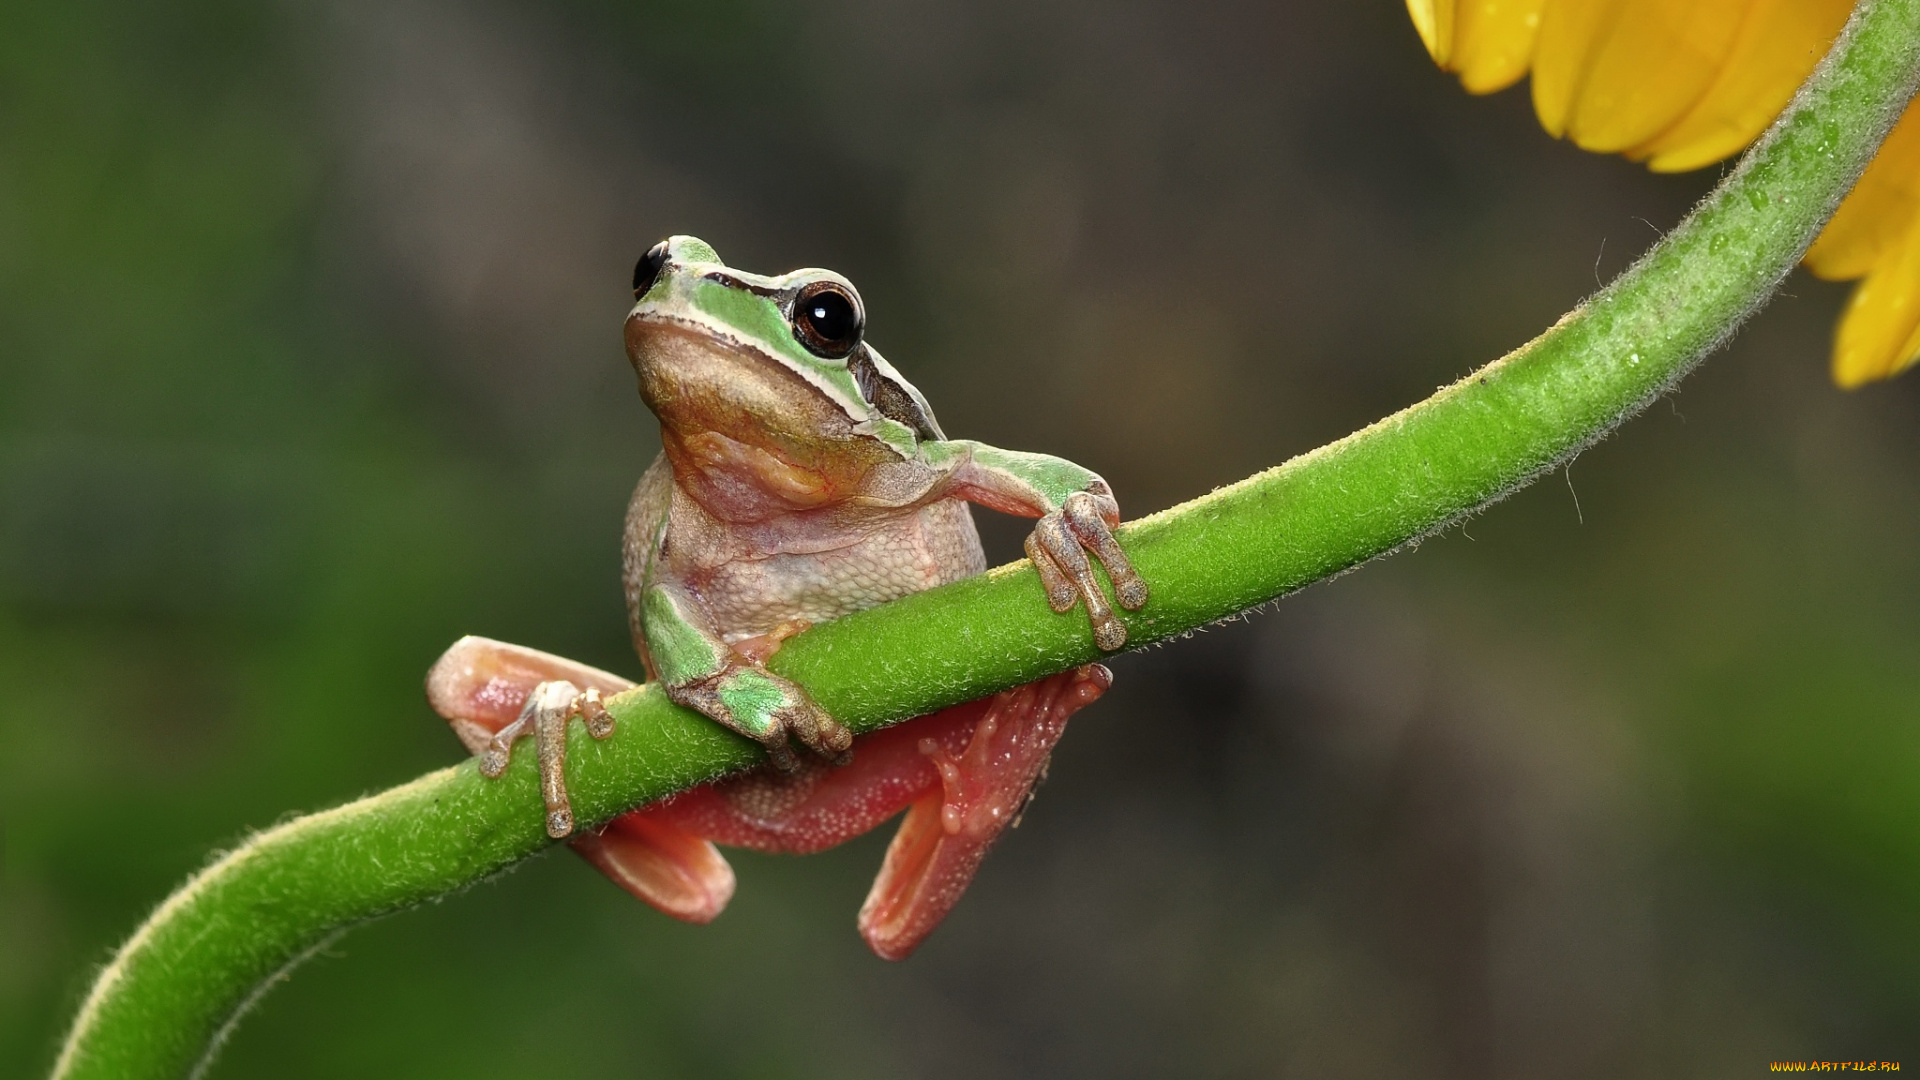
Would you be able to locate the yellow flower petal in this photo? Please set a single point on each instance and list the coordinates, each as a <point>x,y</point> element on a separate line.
<point>1683,83</point>
<point>1568,29</point>
<point>1778,45</point>
<point>1876,216</point>
<point>1487,42</point>
<point>1880,333</point>
<point>1493,42</point>
<point>1433,19</point>
<point>1631,70</point>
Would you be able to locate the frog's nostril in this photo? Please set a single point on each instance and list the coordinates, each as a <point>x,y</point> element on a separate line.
<point>647,270</point>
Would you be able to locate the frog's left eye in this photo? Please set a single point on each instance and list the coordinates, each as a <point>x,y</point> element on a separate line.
<point>828,319</point>
<point>647,270</point>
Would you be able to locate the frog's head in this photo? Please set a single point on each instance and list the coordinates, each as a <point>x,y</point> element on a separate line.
<point>776,363</point>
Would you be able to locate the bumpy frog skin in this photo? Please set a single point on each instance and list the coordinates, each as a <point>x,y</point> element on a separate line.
<point>801,478</point>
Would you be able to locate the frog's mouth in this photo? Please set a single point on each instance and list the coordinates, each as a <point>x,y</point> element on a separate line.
<point>649,329</point>
<point>693,375</point>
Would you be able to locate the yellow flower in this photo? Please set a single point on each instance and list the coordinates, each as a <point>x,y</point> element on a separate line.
<point>1680,84</point>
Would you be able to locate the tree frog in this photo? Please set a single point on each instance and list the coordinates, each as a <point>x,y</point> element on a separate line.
<point>801,478</point>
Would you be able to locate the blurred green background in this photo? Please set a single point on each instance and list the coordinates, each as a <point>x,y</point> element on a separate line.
<point>310,363</point>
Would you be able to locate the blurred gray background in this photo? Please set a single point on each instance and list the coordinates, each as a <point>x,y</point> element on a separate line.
<point>310,363</point>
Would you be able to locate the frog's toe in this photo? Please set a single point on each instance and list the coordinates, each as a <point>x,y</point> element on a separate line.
<point>835,740</point>
<point>1061,593</point>
<point>817,731</point>
<point>779,751</point>
<point>550,706</point>
<point>592,709</point>
<point>1057,553</point>
<point>1091,520</point>
<point>499,752</point>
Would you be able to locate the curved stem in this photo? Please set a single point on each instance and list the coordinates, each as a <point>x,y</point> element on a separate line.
<point>162,1006</point>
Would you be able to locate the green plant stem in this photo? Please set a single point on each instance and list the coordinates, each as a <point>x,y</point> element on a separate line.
<point>162,1006</point>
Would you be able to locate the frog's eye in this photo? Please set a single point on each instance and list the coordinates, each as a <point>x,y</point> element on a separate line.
<point>827,318</point>
<point>647,270</point>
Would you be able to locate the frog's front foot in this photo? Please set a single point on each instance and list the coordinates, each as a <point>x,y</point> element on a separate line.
<point>767,709</point>
<point>1058,547</point>
<point>545,716</point>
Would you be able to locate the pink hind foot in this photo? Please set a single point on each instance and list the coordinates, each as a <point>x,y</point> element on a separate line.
<point>982,791</point>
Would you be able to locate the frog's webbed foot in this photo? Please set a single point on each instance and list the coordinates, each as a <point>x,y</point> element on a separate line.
<point>984,783</point>
<point>768,709</point>
<point>545,717</point>
<point>1058,547</point>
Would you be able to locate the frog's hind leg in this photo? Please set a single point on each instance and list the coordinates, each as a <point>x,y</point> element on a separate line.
<point>984,786</point>
<point>682,874</point>
<point>963,774</point>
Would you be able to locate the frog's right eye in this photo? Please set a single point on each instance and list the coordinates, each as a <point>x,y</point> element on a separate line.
<point>827,318</point>
<point>647,270</point>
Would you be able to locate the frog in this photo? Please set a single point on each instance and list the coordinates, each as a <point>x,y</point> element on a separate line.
<point>801,478</point>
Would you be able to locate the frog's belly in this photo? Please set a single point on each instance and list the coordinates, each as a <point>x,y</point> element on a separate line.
<point>933,546</point>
